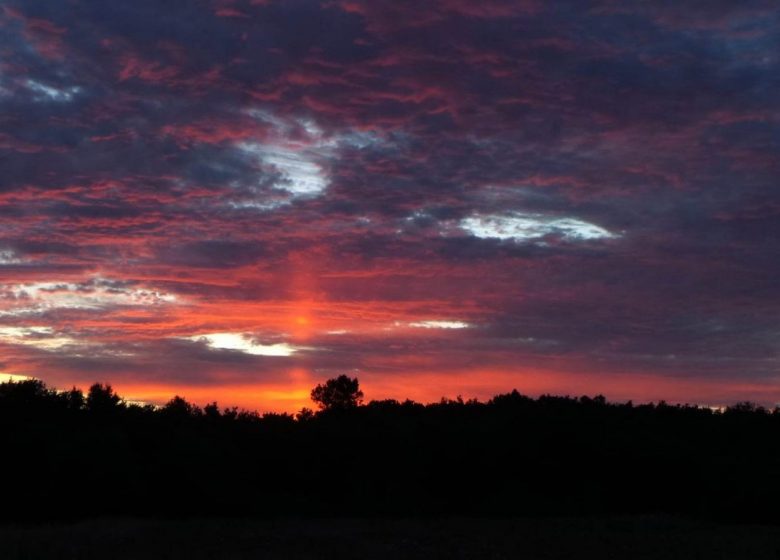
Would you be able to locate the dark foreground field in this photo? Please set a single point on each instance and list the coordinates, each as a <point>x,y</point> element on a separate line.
<point>633,538</point>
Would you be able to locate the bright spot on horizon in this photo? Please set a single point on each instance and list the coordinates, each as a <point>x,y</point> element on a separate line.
<point>15,377</point>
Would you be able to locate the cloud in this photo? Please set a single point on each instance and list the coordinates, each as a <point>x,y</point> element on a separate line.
<point>245,343</point>
<point>299,174</point>
<point>43,338</point>
<point>93,294</point>
<point>296,154</point>
<point>8,257</point>
<point>588,191</point>
<point>439,324</point>
<point>521,227</point>
<point>45,92</point>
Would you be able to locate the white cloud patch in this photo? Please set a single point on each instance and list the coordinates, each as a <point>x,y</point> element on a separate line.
<point>294,149</point>
<point>297,150</point>
<point>8,257</point>
<point>44,92</point>
<point>98,293</point>
<point>440,325</point>
<point>43,338</point>
<point>520,226</point>
<point>245,343</point>
<point>300,174</point>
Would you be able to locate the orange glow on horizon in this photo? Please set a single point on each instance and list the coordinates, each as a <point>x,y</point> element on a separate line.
<point>293,395</point>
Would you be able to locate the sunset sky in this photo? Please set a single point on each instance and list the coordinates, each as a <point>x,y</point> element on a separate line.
<point>234,200</point>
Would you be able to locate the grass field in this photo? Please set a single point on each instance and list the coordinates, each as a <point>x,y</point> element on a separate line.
<point>632,538</point>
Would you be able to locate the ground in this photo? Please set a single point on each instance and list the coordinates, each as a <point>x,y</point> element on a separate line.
<point>634,538</point>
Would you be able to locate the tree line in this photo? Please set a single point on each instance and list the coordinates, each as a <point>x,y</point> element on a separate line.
<point>66,454</point>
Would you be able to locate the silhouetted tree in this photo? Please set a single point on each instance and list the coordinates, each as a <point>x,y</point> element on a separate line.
<point>75,399</point>
<point>340,393</point>
<point>178,407</point>
<point>102,398</point>
<point>745,407</point>
<point>29,398</point>
<point>211,411</point>
<point>27,391</point>
<point>304,415</point>
<point>513,455</point>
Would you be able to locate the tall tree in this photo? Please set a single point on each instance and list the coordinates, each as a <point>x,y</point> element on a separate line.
<point>339,393</point>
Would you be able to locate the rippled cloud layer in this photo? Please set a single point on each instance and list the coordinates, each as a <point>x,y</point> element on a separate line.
<point>235,199</point>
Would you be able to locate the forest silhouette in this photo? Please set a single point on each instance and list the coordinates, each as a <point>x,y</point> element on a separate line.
<point>69,455</point>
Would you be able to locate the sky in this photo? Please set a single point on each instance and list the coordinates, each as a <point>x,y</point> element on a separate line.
<point>235,200</point>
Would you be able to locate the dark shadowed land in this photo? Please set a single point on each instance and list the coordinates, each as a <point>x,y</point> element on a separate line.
<point>635,538</point>
<point>512,477</point>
